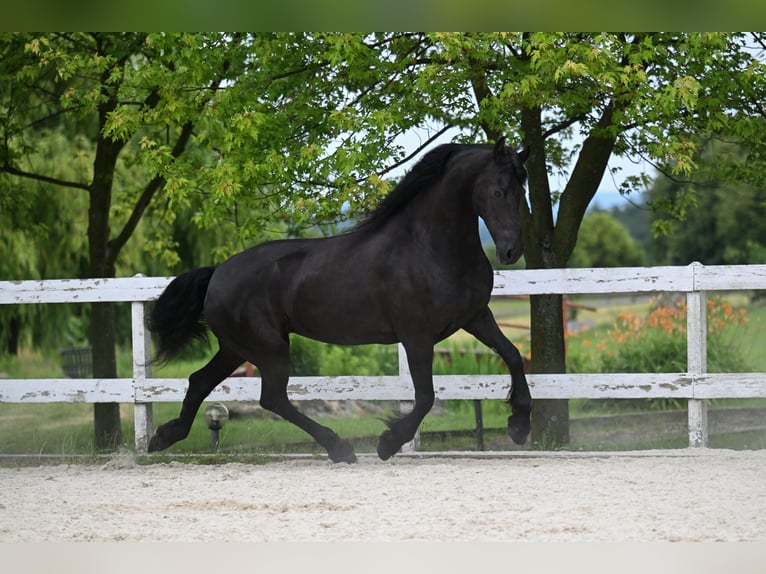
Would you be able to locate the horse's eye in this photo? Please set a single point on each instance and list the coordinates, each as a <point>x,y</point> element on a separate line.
<point>498,193</point>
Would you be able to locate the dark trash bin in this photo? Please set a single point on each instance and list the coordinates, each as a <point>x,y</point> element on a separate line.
<point>77,362</point>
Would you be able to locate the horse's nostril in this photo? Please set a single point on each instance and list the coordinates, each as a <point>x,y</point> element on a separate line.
<point>513,255</point>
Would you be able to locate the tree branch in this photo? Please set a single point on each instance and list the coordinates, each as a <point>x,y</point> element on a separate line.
<point>44,178</point>
<point>419,149</point>
<point>116,244</point>
<point>481,92</point>
<point>583,183</point>
<point>563,125</point>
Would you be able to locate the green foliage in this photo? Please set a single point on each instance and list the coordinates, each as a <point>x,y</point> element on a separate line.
<point>40,241</point>
<point>724,223</point>
<point>310,358</point>
<point>467,357</point>
<point>315,91</point>
<point>300,126</point>
<point>604,242</point>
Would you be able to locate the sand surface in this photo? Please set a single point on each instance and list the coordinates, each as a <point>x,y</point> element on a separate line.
<point>687,495</point>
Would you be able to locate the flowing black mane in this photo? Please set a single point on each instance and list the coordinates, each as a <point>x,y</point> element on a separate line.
<point>424,174</point>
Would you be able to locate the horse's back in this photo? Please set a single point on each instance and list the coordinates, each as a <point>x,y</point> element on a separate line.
<point>323,288</point>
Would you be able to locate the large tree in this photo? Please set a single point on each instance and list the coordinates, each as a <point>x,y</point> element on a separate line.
<point>148,105</point>
<point>108,88</point>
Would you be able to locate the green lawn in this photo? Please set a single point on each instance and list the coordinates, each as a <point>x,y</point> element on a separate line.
<point>752,336</point>
<point>67,429</point>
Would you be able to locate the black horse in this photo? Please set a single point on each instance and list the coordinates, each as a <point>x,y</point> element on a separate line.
<point>413,272</point>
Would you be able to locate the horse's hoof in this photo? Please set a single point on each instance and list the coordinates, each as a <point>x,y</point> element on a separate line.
<point>156,443</point>
<point>342,452</point>
<point>388,446</point>
<point>518,428</point>
<point>166,435</point>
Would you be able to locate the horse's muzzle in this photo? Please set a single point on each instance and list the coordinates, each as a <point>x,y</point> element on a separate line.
<point>509,256</point>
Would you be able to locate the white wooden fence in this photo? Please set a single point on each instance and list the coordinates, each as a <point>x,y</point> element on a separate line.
<point>142,389</point>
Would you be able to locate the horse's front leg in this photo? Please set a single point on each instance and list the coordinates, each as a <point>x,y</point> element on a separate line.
<point>485,329</point>
<point>402,429</point>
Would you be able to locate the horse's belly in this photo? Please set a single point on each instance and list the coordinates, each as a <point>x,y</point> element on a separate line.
<point>352,320</point>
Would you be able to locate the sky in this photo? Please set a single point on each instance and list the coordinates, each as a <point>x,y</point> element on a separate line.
<point>607,195</point>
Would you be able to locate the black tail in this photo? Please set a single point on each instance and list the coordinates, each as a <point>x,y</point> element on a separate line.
<point>177,315</point>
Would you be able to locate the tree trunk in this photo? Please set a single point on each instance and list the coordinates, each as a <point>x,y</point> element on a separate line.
<point>106,416</point>
<point>550,418</point>
<point>103,250</point>
<point>549,245</point>
<point>14,332</point>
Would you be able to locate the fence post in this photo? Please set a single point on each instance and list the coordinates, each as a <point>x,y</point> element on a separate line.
<point>142,412</point>
<point>696,358</point>
<point>406,406</point>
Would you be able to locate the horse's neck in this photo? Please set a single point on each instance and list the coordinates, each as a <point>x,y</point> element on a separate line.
<point>444,217</point>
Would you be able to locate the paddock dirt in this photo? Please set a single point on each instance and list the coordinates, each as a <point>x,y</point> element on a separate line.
<point>679,495</point>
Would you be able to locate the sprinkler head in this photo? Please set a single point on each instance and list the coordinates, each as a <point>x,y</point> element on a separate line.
<point>216,415</point>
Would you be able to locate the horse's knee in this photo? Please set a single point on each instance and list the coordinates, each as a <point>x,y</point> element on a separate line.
<point>514,360</point>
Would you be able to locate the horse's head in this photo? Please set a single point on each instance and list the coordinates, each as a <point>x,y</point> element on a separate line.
<point>497,194</point>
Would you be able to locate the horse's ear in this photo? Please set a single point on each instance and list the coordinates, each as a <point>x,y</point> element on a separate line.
<point>500,149</point>
<point>523,153</point>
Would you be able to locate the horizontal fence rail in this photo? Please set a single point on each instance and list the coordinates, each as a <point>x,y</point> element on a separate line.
<point>142,389</point>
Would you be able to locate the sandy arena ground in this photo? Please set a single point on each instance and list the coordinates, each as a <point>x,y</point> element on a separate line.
<point>686,495</point>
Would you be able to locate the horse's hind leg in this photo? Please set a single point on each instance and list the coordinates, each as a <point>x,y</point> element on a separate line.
<point>274,365</point>
<point>201,384</point>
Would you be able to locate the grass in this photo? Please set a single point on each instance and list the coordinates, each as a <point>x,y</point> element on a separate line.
<point>66,429</point>
<point>59,429</point>
<point>753,338</point>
